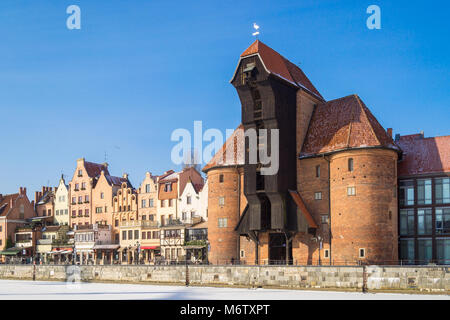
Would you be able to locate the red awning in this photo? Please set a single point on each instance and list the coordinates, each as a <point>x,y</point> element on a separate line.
<point>149,248</point>
<point>301,205</point>
<point>61,249</point>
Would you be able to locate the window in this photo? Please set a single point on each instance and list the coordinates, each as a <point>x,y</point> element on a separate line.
<point>424,224</point>
<point>221,201</point>
<point>83,185</point>
<point>424,191</point>
<point>318,171</point>
<point>130,234</point>
<point>242,255</point>
<point>143,203</point>
<point>151,217</point>
<point>163,203</point>
<point>188,200</point>
<point>443,251</point>
<point>116,222</point>
<point>98,210</point>
<point>150,203</point>
<point>406,222</point>
<point>80,173</point>
<point>407,254</point>
<point>170,202</point>
<point>144,217</point>
<point>406,193</point>
<point>351,191</point>
<point>124,235</point>
<point>326,253</point>
<point>74,200</point>
<point>102,195</point>
<point>350,164</point>
<point>424,251</point>
<point>318,196</point>
<point>147,188</point>
<point>80,213</point>
<point>74,213</point>
<point>221,178</point>
<point>77,187</point>
<point>223,222</point>
<point>442,190</point>
<point>324,218</point>
<point>362,253</point>
<point>168,187</point>
<point>57,212</point>
<point>86,212</point>
<point>144,236</point>
<point>80,199</point>
<point>442,220</point>
<point>136,234</point>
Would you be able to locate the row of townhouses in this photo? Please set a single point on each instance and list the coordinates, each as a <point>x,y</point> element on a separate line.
<point>100,218</point>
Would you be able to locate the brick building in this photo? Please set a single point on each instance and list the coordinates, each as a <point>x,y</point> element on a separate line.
<point>334,198</point>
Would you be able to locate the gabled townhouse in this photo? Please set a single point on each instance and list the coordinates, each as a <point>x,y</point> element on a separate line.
<point>102,200</point>
<point>14,210</point>
<point>190,204</point>
<point>170,188</point>
<point>45,202</point>
<point>148,198</point>
<point>81,188</point>
<point>61,204</point>
<point>93,244</point>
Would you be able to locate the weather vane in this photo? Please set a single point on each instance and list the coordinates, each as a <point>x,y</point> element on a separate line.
<point>256,27</point>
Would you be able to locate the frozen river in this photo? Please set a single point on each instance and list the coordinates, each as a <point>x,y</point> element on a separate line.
<point>48,290</point>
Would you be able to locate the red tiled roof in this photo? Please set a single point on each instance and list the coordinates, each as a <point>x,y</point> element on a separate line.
<point>235,149</point>
<point>5,203</point>
<point>280,66</point>
<point>94,169</point>
<point>341,124</point>
<point>424,155</point>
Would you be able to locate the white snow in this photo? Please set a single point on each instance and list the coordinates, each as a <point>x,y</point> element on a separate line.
<point>49,290</point>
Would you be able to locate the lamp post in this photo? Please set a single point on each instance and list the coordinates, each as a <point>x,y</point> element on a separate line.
<point>319,239</point>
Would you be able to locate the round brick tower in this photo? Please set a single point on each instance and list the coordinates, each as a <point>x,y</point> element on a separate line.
<point>363,185</point>
<point>223,214</point>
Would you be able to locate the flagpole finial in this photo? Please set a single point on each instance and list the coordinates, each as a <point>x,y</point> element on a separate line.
<point>256,33</point>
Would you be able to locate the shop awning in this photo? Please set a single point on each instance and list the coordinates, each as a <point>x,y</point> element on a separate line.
<point>150,248</point>
<point>106,246</point>
<point>10,252</point>
<point>59,250</point>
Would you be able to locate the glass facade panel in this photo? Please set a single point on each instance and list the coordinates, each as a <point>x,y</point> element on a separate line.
<point>442,220</point>
<point>443,251</point>
<point>424,251</point>
<point>406,222</point>
<point>407,193</point>
<point>407,251</point>
<point>424,191</point>
<point>424,221</point>
<point>442,190</point>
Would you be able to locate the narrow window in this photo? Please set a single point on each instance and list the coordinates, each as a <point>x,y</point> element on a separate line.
<point>326,253</point>
<point>221,178</point>
<point>318,196</point>
<point>351,191</point>
<point>362,253</point>
<point>350,164</point>
<point>318,171</point>
<point>221,201</point>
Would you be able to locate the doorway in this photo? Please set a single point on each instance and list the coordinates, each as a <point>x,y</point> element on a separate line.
<point>277,249</point>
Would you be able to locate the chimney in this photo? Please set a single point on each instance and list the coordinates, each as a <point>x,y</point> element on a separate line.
<point>125,175</point>
<point>36,196</point>
<point>389,132</point>
<point>24,191</point>
<point>422,133</point>
<point>10,202</point>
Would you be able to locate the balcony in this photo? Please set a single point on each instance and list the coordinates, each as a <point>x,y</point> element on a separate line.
<point>140,223</point>
<point>44,241</point>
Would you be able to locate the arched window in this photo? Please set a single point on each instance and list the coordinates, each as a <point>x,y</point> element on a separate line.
<point>350,164</point>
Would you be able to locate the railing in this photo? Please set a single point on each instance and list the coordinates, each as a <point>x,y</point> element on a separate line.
<point>140,223</point>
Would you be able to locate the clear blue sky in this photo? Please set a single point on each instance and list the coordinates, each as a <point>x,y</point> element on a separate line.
<point>139,69</point>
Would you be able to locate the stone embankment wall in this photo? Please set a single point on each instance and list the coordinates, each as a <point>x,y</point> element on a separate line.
<point>371,278</point>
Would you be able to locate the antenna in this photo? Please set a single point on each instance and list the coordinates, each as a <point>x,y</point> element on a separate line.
<point>106,157</point>
<point>256,33</point>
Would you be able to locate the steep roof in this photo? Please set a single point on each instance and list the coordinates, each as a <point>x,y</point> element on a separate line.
<point>281,67</point>
<point>94,169</point>
<point>117,181</point>
<point>424,155</point>
<point>5,203</point>
<point>233,146</point>
<point>342,124</point>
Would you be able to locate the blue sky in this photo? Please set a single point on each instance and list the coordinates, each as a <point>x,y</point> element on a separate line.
<point>137,70</point>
